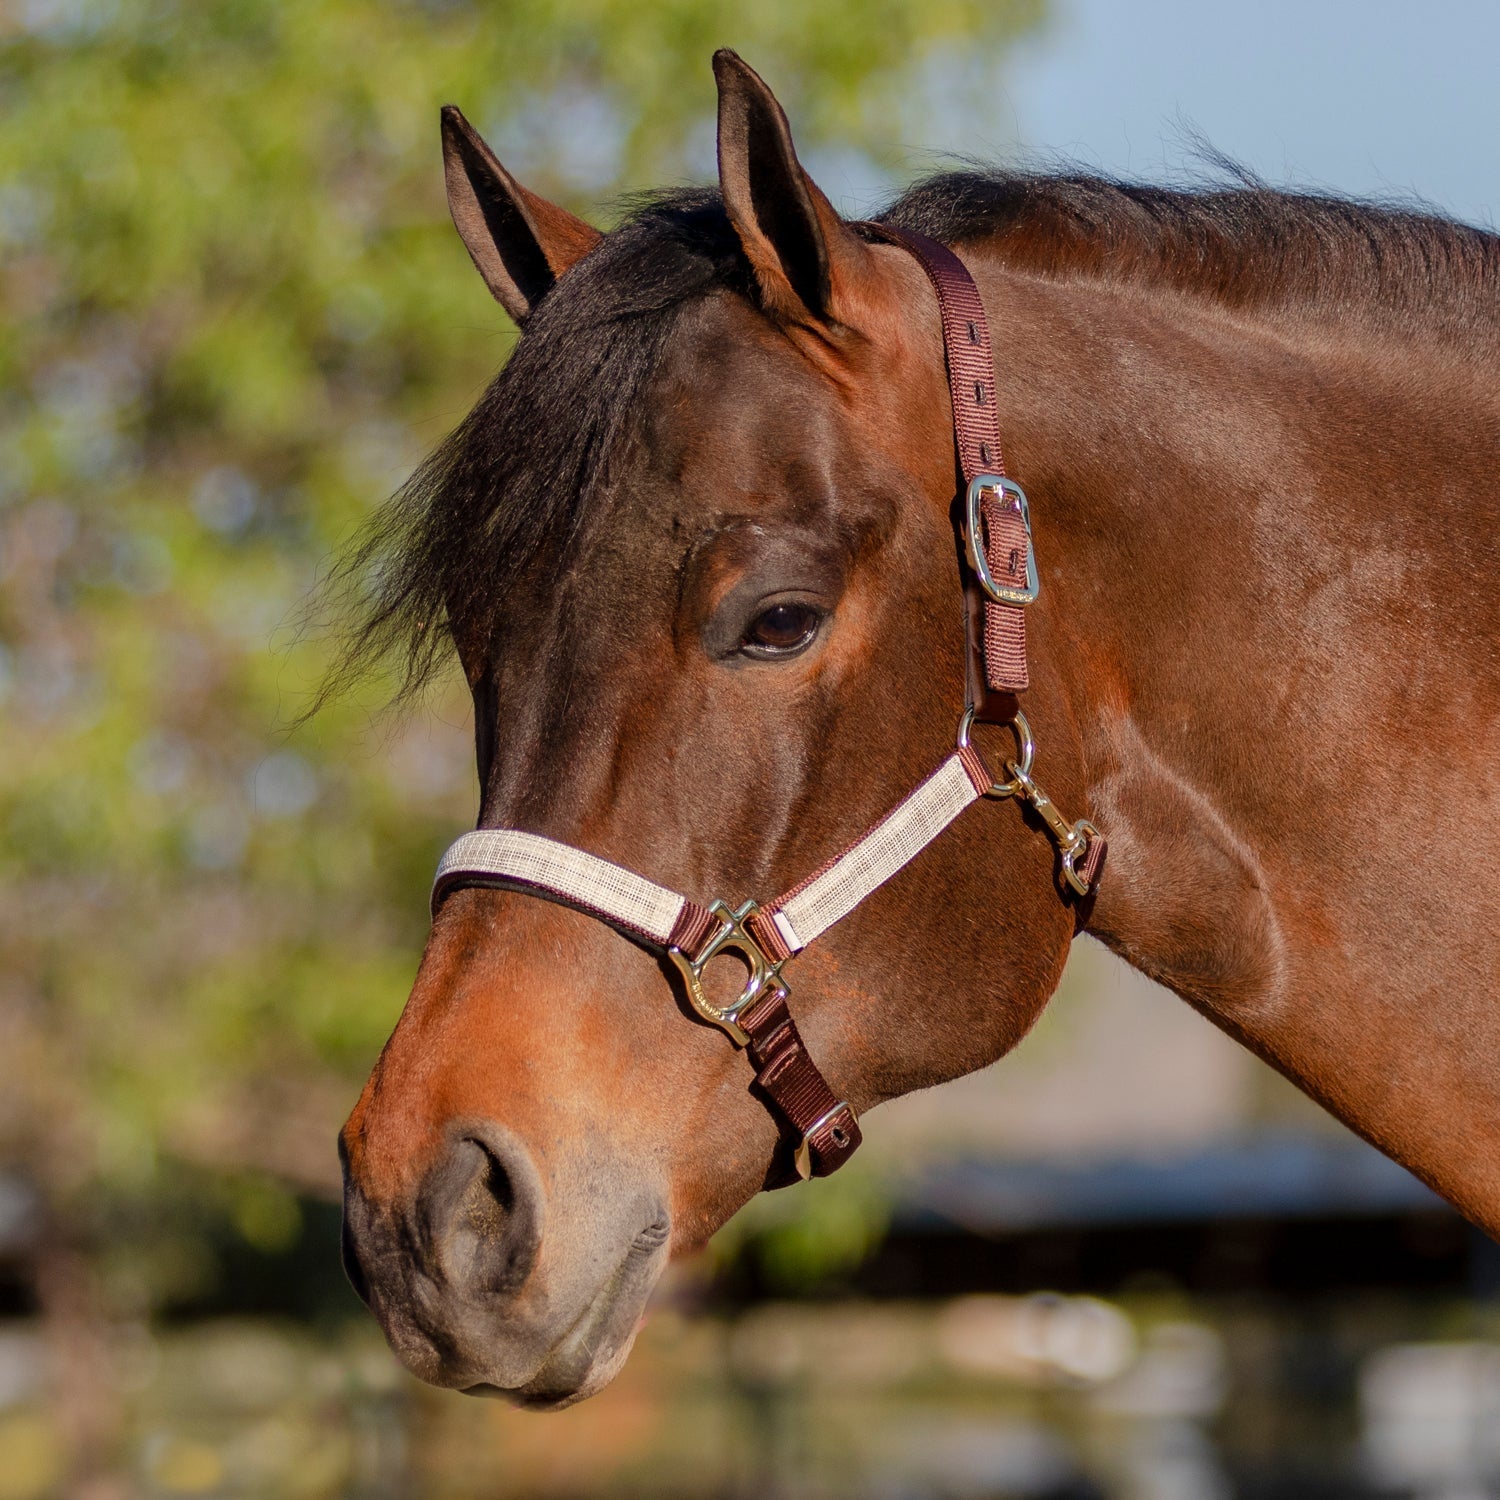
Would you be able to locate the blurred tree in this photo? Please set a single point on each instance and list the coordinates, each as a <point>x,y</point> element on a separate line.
<point>236,313</point>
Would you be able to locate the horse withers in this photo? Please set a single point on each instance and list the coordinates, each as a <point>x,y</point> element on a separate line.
<point>695,550</point>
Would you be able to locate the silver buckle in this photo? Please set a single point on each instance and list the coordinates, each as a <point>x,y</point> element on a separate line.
<point>802,1157</point>
<point>732,937</point>
<point>1007,489</point>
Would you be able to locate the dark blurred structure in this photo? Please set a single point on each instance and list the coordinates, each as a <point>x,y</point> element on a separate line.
<point>1277,1215</point>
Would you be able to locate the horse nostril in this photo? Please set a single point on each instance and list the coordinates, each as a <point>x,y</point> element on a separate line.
<point>479,1210</point>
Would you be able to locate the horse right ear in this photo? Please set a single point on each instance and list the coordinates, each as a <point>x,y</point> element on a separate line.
<point>519,243</point>
<point>808,263</point>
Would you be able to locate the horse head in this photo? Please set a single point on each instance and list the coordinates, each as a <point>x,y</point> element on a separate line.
<point>695,551</point>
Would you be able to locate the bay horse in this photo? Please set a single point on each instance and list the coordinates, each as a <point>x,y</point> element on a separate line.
<point>695,550</point>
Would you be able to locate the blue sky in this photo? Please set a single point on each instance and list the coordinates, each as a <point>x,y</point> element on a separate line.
<point>1375,99</point>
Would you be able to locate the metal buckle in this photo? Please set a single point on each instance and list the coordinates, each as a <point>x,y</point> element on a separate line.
<point>1008,489</point>
<point>802,1157</point>
<point>732,937</point>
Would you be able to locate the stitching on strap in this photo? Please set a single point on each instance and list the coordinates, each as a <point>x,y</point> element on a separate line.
<point>814,906</point>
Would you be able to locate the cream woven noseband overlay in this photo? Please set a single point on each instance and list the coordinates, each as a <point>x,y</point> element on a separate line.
<point>562,870</point>
<point>892,843</point>
<point>544,865</point>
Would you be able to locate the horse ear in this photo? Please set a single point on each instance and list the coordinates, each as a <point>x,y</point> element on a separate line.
<point>520,243</point>
<point>806,259</point>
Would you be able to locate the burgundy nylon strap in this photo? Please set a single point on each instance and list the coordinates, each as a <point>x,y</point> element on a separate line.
<point>1093,863</point>
<point>768,934</point>
<point>996,632</point>
<point>694,926</point>
<point>784,1069</point>
<point>790,1079</point>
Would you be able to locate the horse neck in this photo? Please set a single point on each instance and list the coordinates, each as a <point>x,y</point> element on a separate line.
<point>1278,651</point>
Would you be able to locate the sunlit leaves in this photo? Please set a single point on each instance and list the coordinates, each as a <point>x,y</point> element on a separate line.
<point>236,315</point>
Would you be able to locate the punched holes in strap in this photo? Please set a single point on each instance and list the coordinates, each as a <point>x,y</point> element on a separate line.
<point>827,1129</point>
<point>999,641</point>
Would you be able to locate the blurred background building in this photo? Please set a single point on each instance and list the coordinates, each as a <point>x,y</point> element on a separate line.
<point>1128,1261</point>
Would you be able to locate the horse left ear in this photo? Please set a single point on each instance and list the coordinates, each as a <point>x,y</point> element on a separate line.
<point>519,242</point>
<point>805,258</point>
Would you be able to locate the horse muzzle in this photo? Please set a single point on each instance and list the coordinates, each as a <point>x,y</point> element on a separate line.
<point>461,1279</point>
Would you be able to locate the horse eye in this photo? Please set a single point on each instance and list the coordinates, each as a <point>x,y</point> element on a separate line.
<point>781,630</point>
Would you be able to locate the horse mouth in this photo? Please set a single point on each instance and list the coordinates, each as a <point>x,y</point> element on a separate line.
<point>589,1355</point>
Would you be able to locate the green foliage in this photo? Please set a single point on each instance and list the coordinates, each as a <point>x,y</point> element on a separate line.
<point>236,316</point>
<point>813,1233</point>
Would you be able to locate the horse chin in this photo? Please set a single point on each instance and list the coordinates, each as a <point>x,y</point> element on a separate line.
<point>589,1355</point>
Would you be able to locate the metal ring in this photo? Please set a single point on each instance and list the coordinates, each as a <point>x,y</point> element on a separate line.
<point>1022,731</point>
<point>732,937</point>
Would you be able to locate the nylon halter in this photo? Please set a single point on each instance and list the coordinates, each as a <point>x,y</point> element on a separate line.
<point>1001,581</point>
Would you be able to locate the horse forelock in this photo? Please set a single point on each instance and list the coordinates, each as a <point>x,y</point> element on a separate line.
<point>513,484</point>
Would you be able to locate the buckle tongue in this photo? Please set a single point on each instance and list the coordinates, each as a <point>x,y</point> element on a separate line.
<point>733,936</point>
<point>1013,497</point>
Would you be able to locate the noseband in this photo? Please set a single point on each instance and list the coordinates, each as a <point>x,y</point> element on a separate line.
<point>1001,580</point>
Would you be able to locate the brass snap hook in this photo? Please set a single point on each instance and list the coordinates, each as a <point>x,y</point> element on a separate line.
<point>1072,839</point>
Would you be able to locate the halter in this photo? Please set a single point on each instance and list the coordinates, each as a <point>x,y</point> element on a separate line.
<point>1001,582</point>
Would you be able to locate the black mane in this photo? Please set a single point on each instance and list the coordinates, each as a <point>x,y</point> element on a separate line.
<point>512,482</point>
<point>1244,244</point>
